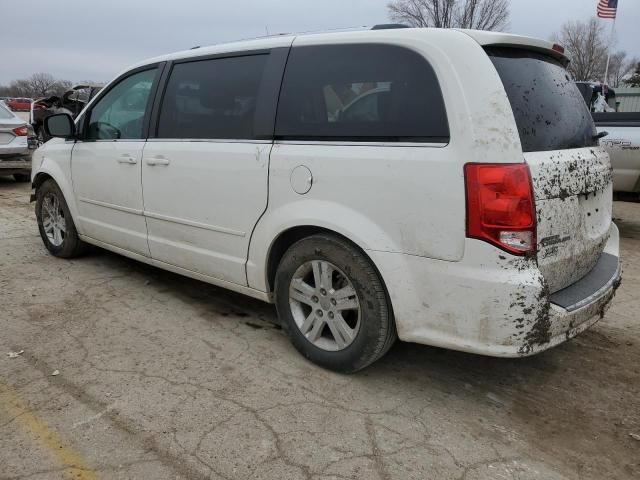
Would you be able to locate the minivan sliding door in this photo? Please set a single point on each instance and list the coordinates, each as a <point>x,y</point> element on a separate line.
<point>205,175</point>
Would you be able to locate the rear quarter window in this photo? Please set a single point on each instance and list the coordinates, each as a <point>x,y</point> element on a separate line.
<point>549,109</point>
<point>362,92</point>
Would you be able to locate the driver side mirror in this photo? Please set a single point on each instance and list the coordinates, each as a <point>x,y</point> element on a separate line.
<point>60,125</point>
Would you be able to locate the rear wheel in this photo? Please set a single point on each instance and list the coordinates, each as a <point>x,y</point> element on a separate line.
<point>57,230</point>
<point>333,304</point>
<point>22,177</point>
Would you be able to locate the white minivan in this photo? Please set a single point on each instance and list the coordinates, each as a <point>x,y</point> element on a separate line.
<point>441,186</point>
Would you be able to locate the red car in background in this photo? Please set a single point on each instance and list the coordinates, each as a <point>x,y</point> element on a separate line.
<point>19,104</point>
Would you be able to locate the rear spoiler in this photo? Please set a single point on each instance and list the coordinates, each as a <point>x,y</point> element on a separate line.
<point>498,39</point>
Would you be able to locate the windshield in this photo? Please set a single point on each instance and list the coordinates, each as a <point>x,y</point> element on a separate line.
<point>549,110</point>
<point>5,113</point>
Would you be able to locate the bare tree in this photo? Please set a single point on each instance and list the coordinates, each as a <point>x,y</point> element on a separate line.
<point>21,88</point>
<point>477,14</point>
<point>42,84</point>
<point>586,47</point>
<point>37,85</point>
<point>61,86</point>
<point>483,14</point>
<point>620,67</point>
<point>634,80</point>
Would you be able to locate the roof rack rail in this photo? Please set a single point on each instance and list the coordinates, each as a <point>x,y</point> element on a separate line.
<point>389,26</point>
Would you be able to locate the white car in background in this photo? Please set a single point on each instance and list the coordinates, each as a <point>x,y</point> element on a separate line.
<point>15,154</point>
<point>464,204</point>
<point>622,142</point>
<point>620,137</point>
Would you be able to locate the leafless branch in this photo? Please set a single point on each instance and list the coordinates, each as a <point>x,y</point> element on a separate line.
<point>476,14</point>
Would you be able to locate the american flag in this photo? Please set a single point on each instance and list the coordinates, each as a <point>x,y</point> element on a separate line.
<point>607,8</point>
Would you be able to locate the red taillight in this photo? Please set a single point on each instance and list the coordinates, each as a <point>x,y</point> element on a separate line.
<point>22,131</point>
<point>500,207</point>
<point>558,48</point>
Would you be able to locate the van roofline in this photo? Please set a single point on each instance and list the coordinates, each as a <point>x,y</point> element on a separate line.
<point>482,37</point>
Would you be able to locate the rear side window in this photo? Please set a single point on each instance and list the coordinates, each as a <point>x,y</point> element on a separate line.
<point>360,93</point>
<point>212,99</point>
<point>549,109</point>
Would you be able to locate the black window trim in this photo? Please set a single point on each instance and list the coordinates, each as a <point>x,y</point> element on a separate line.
<point>267,99</point>
<point>82,124</point>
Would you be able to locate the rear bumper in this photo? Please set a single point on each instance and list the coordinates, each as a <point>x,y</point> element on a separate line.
<point>496,305</point>
<point>11,165</point>
<point>17,146</point>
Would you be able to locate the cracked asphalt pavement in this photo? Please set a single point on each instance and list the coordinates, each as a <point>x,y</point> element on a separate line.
<point>162,377</point>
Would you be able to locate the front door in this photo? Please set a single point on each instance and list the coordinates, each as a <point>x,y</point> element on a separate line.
<point>106,164</point>
<point>205,175</point>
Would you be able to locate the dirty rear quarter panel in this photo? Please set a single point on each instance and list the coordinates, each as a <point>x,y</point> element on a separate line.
<point>489,303</point>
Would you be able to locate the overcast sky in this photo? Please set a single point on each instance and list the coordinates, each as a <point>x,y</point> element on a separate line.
<point>94,40</point>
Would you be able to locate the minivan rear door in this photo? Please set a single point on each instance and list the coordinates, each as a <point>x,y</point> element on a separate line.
<point>571,174</point>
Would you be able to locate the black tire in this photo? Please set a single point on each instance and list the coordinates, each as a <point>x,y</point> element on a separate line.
<point>22,177</point>
<point>377,331</point>
<point>71,245</point>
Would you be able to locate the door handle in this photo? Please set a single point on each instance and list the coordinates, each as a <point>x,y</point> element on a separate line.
<point>126,158</point>
<point>157,160</point>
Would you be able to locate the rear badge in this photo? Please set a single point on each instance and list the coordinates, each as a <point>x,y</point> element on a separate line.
<point>550,245</point>
<point>554,240</point>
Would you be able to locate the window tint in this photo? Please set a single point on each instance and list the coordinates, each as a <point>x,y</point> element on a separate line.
<point>120,113</point>
<point>549,109</point>
<point>212,98</point>
<point>360,93</point>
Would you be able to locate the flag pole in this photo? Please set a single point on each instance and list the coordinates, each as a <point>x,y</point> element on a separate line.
<point>613,29</point>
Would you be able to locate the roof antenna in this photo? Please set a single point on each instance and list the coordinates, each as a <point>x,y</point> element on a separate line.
<point>266,29</point>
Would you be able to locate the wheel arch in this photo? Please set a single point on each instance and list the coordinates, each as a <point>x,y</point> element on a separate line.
<point>285,239</point>
<point>45,174</point>
<point>40,178</point>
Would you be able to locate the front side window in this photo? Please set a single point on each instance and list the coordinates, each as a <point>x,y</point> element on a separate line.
<point>212,99</point>
<point>120,113</point>
<point>362,92</point>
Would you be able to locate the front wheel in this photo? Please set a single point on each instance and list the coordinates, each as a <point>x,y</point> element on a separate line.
<point>333,304</point>
<point>57,230</point>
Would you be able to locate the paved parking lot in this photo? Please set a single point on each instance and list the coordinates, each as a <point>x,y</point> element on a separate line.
<point>161,377</point>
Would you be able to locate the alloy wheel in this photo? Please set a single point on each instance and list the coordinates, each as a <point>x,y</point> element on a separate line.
<point>53,220</point>
<point>324,305</point>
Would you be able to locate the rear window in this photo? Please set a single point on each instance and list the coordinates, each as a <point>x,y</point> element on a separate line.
<point>549,110</point>
<point>360,92</point>
<point>5,114</point>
